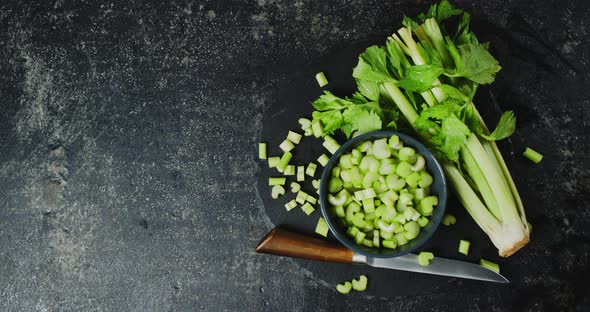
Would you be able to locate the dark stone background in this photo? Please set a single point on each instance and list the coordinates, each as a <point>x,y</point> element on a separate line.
<point>128,165</point>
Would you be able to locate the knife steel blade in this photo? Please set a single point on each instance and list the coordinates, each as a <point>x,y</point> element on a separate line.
<point>437,266</point>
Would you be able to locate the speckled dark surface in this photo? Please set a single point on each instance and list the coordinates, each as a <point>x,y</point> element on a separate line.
<point>128,137</point>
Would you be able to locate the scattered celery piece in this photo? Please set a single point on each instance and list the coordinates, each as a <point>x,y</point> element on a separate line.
<point>290,170</point>
<point>448,219</point>
<point>286,146</point>
<point>317,128</point>
<point>330,144</point>
<point>273,161</point>
<point>307,208</point>
<point>290,205</point>
<point>425,257</point>
<point>310,171</point>
<point>262,150</point>
<point>533,155</point>
<point>344,288</point>
<point>323,160</point>
<point>276,181</point>
<point>294,137</point>
<point>277,191</point>
<point>490,265</point>
<point>300,173</point>
<point>312,200</point>
<point>316,184</point>
<point>284,162</point>
<point>361,284</point>
<point>301,197</point>
<point>464,247</point>
<point>305,126</point>
<point>322,227</point>
<point>295,187</point>
<point>321,79</point>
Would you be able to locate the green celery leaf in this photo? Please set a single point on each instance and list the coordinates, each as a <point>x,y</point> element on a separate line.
<point>329,101</point>
<point>504,128</point>
<point>452,92</point>
<point>372,66</point>
<point>357,98</point>
<point>431,55</point>
<point>390,118</point>
<point>411,98</point>
<point>477,64</point>
<point>445,10</point>
<point>453,135</point>
<point>369,89</point>
<point>452,48</point>
<point>372,107</point>
<point>361,119</point>
<point>347,129</point>
<point>396,58</point>
<point>442,111</point>
<point>424,125</point>
<point>367,122</point>
<point>332,120</point>
<point>410,23</point>
<point>440,12</point>
<point>471,119</point>
<point>420,77</point>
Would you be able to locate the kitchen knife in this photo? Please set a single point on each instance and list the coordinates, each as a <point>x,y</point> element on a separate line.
<point>284,243</point>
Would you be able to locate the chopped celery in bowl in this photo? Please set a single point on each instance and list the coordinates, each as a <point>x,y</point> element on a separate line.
<point>387,196</point>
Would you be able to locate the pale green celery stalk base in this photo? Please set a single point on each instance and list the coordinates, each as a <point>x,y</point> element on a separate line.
<point>507,236</point>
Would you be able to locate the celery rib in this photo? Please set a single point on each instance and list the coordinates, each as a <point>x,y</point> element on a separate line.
<point>482,185</point>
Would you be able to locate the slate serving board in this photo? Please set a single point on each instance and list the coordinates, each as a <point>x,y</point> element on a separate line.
<point>293,102</point>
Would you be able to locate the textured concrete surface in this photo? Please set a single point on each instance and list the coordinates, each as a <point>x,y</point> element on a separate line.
<point>128,130</point>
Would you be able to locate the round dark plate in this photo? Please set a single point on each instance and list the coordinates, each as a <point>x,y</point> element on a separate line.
<point>290,101</point>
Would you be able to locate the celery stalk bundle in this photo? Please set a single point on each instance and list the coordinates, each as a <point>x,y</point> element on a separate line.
<point>425,76</point>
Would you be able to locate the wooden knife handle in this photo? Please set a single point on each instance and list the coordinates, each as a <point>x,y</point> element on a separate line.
<point>284,243</point>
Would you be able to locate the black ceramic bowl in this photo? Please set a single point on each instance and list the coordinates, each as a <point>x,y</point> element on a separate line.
<point>438,188</point>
